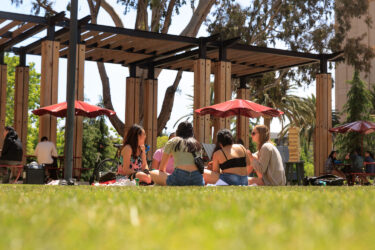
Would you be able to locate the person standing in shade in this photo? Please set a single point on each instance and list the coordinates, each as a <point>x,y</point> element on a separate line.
<point>156,159</point>
<point>267,160</point>
<point>11,153</point>
<point>46,154</point>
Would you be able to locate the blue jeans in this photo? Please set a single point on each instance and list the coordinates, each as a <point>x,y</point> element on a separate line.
<point>181,177</point>
<point>234,179</point>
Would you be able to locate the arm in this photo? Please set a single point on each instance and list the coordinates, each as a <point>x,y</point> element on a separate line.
<point>144,158</point>
<point>261,161</point>
<point>163,162</point>
<point>155,164</point>
<point>126,154</point>
<point>36,150</point>
<point>215,162</point>
<point>54,151</point>
<point>249,167</point>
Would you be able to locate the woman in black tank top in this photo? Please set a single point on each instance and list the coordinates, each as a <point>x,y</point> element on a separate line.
<point>229,161</point>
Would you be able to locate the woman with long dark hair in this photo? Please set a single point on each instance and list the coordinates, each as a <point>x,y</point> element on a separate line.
<point>134,162</point>
<point>231,159</point>
<point>330,167</point>
<point>11,153</point>
<point>267,160</point>
<point>182,148</point>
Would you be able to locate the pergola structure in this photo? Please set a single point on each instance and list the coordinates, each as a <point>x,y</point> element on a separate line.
<point>204,56</point>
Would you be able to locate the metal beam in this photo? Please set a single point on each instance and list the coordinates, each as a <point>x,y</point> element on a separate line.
<point>23,18</point>
<point>276,51</point>
<point>151,71</point>
<point>70,91</point>
<point>132,70</point>
<point>23,36</point>
<point>167,53</point>
<point>257,74</point>
<point>58,33</point>
<point>22,61</point>
<point>140,33</point>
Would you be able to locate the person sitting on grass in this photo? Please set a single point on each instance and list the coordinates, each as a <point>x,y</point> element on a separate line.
<point>267,160</point>
<point>330,167</point>
<point>134,162</point>
<point>182,148</point>
<point>231,159</point>
<point>369,158</point>
<point>156,159</point>
<point>11,153</point>
<point>357,165</point>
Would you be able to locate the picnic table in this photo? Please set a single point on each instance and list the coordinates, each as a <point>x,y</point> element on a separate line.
<point>60,166</point>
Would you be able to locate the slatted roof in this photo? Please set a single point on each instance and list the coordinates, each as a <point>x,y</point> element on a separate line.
<point>141,48</point>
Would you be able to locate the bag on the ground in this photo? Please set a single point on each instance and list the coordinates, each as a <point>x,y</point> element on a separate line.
<point>324,180</point>
<point>107,177</point>
<point>199,163</point>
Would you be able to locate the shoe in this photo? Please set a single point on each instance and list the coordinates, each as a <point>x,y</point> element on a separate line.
<point>367,184</point>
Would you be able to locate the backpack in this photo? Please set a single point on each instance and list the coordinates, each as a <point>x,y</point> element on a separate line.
<point>324,180</point>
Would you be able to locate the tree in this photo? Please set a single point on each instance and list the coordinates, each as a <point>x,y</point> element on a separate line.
<point>299,25</point>
<point>97,143</point>
<point>357,107</point>
<point>34,90</point>
<point>305,26</point>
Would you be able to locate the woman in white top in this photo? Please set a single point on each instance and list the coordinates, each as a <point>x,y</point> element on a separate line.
<point>267,160</point>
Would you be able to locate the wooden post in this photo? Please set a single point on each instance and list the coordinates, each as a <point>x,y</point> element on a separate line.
<point>21,101</point>
<point>323,139</point>
<point>3,100</point>
<point>150,114</point>
<point>131,103</point>
<point>49,87</point>
<point>294,144</point>
<point>222,92</point>
<point>202,71</point>
<point>79,96</point>
<point>243,124</point>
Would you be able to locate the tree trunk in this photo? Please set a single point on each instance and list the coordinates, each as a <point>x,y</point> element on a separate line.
<point>200,14</point>
<point>267,123</point>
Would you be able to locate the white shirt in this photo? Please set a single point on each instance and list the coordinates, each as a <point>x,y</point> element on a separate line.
<point>44,152</point>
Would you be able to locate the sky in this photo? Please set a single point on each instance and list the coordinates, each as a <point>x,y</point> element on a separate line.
<point>117,73</point>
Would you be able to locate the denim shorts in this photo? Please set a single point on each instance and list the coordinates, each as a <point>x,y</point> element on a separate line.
<point>234,179</point>
<point>181,177</point>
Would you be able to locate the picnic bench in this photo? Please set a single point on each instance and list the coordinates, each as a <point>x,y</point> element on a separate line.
<point>60,167</point>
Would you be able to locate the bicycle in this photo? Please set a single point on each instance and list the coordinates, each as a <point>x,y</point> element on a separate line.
<point>107,165</point>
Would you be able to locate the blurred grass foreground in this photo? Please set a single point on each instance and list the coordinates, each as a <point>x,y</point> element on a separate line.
<point>86,217</point>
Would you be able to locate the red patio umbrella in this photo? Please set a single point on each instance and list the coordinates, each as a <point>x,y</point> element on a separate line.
<point>362,127</point>
<point>81,109</point>
<point>238,107</point>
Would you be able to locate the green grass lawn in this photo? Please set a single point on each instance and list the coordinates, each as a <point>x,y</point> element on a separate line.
<point>85,217</point>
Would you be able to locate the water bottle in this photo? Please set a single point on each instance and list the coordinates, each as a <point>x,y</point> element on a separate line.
<point>137,181</point>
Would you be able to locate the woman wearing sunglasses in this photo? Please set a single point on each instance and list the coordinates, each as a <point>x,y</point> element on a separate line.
<point>229,161</point>
<point>267,160</point>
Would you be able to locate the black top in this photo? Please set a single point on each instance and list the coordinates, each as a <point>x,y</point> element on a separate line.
<point>12,147</point>
<point>238,162</point>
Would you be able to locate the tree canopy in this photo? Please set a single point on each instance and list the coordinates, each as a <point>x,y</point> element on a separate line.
<point>318,26</point>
